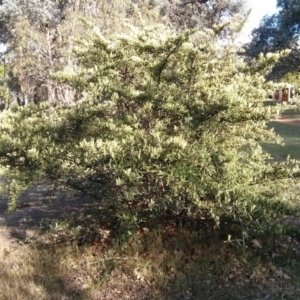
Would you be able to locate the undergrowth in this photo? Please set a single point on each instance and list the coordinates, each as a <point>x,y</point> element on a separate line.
<point>84,258</point>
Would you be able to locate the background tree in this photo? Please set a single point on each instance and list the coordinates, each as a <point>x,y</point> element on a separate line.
<point>184,14</point>
<point>40,35</point>
<point>3,87</point>
<point>276,33</point>
<point>33,46</point>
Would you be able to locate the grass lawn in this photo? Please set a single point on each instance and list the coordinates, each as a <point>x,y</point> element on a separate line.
<point>290,135</point>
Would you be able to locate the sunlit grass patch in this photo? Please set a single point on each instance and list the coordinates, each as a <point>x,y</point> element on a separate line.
<point>290,135</point>
<point>35,272</point>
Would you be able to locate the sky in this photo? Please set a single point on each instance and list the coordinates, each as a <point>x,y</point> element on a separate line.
<point>259,8</point>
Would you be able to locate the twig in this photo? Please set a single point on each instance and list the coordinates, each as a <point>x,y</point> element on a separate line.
<point>113,258</point>
<point>242,226</point>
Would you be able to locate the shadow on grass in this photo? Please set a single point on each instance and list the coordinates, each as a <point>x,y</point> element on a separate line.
<point>35,273</point>
<point>31,270</point>
<point>178,264</point>
<point>285,130</point>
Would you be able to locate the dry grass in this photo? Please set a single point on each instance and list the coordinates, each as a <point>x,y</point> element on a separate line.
<point>42,272</point>
<point>166,264</point>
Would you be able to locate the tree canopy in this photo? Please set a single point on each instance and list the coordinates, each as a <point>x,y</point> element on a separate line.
<point>278,32</point>
<point>40,35</point>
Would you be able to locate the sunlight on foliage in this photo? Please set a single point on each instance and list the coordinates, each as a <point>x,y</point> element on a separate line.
<point>167,127</point>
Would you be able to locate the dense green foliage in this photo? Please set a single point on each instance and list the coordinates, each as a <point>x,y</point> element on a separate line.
<point>3,87</point>
<point>293,78</point>
<point>166,127</point>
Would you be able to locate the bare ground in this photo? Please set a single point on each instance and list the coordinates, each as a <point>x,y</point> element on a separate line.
<point>290,120</point>
<point>36,205</point>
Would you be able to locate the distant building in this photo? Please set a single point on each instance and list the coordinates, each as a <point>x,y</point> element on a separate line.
<point>284,93</point>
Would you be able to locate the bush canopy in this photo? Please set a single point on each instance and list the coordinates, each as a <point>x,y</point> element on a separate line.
<point>169,124</point>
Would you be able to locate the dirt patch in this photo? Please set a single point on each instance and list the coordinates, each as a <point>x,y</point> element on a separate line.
<point>290,120</point>
<point>36,205</point>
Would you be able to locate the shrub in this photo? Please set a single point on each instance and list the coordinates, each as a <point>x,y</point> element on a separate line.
<point>167,127</point>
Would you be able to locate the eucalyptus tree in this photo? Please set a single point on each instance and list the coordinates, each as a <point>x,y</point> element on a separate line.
<point>40,35</point>
<point>33,47</point>
<point>202,14</point>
